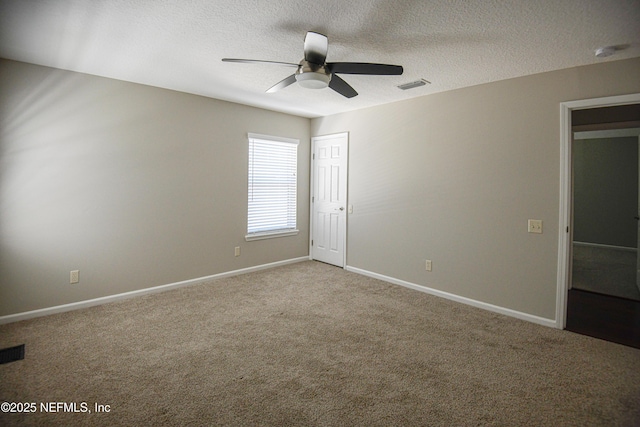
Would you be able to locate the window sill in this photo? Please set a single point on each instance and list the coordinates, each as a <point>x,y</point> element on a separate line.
<point>270,235</point>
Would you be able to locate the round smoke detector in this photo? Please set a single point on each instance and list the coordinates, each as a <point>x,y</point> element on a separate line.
<point>603,52</point>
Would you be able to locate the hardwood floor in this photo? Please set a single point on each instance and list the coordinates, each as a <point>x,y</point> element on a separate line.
<point>603,316</point>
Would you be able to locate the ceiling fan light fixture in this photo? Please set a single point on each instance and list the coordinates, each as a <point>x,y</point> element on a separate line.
<point>313,80</point>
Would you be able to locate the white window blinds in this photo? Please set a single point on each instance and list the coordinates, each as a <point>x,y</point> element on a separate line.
<point>273,164</point>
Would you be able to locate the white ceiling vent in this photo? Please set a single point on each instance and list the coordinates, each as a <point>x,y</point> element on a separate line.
<point>411,85</point>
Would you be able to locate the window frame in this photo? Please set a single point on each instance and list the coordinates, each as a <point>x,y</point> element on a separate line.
<point>252,138</point>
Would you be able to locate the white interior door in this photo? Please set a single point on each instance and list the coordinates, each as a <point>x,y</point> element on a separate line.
<point>329,198</point>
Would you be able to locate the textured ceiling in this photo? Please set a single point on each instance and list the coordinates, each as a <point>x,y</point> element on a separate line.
<point>178,44</point>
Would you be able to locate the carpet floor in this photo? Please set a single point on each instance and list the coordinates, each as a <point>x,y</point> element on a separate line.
<point>309,344</point>
<point>609,271</point>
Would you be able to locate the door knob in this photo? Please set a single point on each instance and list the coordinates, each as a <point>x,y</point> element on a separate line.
<point>341,208</point>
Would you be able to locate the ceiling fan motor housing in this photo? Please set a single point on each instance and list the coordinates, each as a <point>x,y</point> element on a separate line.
<point>312,76</point>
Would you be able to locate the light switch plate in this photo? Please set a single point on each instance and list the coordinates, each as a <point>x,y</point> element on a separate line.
<point>535,226</point>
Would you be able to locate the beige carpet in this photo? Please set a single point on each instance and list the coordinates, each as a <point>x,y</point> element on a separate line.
<point>605,270</point>
<point>312,345</point>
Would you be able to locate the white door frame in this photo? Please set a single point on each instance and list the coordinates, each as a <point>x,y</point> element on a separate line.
<point>565,230</point>
<point>312,186</point>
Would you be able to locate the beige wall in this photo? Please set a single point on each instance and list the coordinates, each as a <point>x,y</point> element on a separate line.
<point>454,177</point>
<point>134,186</point>
<point>605,191</point>
<point>138,186</point>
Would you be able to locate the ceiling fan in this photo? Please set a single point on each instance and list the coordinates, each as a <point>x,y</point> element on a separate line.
<point>314,72</point>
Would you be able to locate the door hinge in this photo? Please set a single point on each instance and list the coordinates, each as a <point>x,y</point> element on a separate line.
<point>313,199</point>
<point>311,242</point>
<point>313,156</point>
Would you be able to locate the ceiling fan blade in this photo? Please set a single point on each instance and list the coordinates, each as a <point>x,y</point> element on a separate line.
<point>282,84</point>
<point>316,46</point>
<point>258,61</point>
<point>365,68</point>
<point>342,87</point>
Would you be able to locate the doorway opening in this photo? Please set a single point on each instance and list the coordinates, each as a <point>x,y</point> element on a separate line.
<point>599,278</point>
<point>605,205</point>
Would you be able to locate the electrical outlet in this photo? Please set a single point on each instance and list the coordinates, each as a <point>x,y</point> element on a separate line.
<point>428,265</point>
<point>237,251</point>
<point>535,226</point>
<point>74,276</point>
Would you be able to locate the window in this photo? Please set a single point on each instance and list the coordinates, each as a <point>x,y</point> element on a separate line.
<point>273,164</point>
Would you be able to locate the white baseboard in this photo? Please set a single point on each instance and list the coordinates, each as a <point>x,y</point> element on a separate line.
<point>111,298</point>
<point>479,304</point>
<point>600,245</point>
